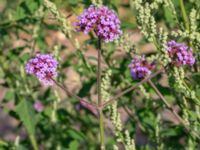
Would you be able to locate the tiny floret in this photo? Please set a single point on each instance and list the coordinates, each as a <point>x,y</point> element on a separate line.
<point>103,21</point>
<point>43,66</point>
<point>140,68</point>
<point>180,53</point>
<point>38,106</point>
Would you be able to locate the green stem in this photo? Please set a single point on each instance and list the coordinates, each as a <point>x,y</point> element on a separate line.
<point>184,14</point>
<point>101,126</point>
<point>33,142</point>
<point>101,118</point>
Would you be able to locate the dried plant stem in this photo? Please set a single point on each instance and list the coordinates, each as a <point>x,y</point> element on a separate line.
<point>132,88</point>
<point>113,98</point>
<point>65,89</point>
<point>99,73</point>
<point>73,95</point>
<point>172,110</point>
<point>101,117</point>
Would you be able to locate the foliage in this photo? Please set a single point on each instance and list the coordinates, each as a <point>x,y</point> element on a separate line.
<point>160,112</point>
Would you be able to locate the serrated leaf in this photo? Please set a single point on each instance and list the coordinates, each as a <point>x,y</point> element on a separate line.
<point>26,113</point>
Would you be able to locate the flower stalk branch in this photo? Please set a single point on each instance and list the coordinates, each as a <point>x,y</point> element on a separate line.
<point>132,88</point>
<point>101,118</point>
<point>172,110</point>
<point>73,95</point>
<point>65,89</point>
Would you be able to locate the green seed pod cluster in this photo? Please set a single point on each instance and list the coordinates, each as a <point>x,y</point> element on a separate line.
<point>65,24</point>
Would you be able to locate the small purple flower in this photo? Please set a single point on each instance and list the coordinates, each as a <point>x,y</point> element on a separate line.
<point>140,68</point>
<point>180,53</point>
<point>43,66</point>
<point>87,20</point>
<point>38,106</point>
<point>102,20</point>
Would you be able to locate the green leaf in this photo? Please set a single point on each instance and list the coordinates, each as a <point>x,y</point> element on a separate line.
<point>20,147</point>
<point>3,143</point>
<point>26,113</point>
<point>75,134</point>
<point>20,13</point>
<point>198,93</point>
<point>9,95</point>
<point>169,16</point>
<point>128,25</point>
<point>73,145</point>
<point>31,5</point>
<point>2,74</point>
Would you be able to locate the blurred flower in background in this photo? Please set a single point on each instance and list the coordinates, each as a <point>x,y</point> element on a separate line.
<point>38,106</point>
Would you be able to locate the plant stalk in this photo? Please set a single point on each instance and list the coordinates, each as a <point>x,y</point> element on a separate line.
<point>65,89</point>
<point>101,126</point>
<point>99,73</point>
<point>114,98</point>
<point>173,111</point>
<point>184,14</point>
<point>33,142</point>
<point>101,117</point>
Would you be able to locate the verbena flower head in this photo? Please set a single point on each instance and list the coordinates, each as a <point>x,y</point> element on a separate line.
<point>180,53</point>
<point>38,106</point>
<point>102,20</point>
<point>140,68</point>
<point>43,66</point>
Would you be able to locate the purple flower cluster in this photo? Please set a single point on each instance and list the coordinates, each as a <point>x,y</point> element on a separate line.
<point>43,66</point>
<point>140,68</point>
<point>102,20</point>
<point>180,53</point>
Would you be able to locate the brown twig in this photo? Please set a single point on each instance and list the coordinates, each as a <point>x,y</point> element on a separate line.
<point>172,110</point>
<point>99,73</point>
<point>101,116</point>
<point>71,94</point>
<point>132,88</point>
